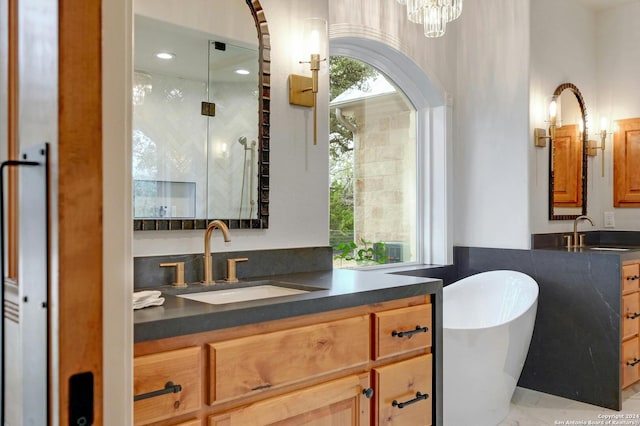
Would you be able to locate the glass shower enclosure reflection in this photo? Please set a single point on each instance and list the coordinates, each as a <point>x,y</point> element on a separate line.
<point>232,133</point>
<point>195,127</point>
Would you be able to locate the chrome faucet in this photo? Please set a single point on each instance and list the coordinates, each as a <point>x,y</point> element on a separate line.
<point>575,230</point>
<point>208,263</point>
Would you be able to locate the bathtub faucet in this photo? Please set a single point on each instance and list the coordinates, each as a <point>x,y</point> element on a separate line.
<point>577,243</point>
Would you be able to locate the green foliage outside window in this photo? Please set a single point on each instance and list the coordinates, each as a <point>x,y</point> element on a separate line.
<point>367,253</point>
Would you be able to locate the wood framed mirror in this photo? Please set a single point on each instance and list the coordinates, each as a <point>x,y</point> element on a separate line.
<point>568,155</point>
<point>201,148</point>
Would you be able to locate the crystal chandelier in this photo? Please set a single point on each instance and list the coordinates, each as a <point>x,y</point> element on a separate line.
<point>432,14</point>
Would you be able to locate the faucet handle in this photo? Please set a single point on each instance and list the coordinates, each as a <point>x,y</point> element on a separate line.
<point>231,269</point>
<point>179,273</point>
<point>569,239</point>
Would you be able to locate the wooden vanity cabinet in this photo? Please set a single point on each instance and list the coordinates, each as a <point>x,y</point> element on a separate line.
<point>338,402</point>
<point>344,367</point>
<point>241,366</point>
<point>403,392</point>
<point>630,361</point>
<point>167,384</point>
<point>401,330</point>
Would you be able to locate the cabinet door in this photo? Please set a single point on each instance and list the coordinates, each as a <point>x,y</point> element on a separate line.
<point>339,402</point>
<point>567,167</point>
<point>630,277</point>
<point>626,157</point>
<point>630,315</point>
<point>630,355</point>
<point>401,330</point>
<point>402,393</point>
<point>251,364</point>
<point>151,373</point>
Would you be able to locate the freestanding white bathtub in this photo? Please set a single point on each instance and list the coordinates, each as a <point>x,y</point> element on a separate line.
<point>487,326</point>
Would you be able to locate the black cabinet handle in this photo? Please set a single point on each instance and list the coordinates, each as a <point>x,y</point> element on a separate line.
<point>634,362</point>
<point>633,278</point>
<point>633,315</point>
<point>410,333</point>
<point>419,397</point>
<point>368,392</point>
<point>169,387</point>
<point>267,386</point>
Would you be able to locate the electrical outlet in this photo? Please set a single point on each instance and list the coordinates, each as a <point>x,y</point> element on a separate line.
<point>609,220</point>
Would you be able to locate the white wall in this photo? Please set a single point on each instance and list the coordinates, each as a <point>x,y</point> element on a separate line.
<point>500,75</point>
<point>562,51</point>
<point>385,21</point>
<point>618,85</point>
<point>598,52</point>
<point>209,16</point>
<point>482,64</point>
<point>491,204</point>
<point>298,171</point>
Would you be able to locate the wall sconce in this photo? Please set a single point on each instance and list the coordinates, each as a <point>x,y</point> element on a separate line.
<point>593,148</point>
<point>303,90</point>
<point>540,135</point>
<point>221,149</point>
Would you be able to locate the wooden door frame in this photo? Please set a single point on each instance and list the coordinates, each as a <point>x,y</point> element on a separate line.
<point>80,198</point>
<point>76,325</point>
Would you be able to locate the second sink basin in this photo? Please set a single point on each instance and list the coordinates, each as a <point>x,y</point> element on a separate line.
<point>242,294</point>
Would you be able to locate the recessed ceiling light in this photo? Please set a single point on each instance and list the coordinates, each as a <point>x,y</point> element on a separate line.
<point>242,72</point>
<point>165,55</point>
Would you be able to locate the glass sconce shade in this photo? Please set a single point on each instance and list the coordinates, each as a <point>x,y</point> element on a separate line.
<point>315,37</point>
<point>434,23</point>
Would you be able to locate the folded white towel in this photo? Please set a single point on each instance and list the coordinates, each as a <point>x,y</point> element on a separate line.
<point>146,294</point>
<point>142,299</point>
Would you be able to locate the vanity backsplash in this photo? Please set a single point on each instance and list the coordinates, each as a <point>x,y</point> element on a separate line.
<point>592,238</point>
<point>147,271</point>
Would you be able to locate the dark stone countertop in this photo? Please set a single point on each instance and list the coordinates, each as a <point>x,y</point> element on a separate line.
<point>331,290</point>
<point>628,252</point>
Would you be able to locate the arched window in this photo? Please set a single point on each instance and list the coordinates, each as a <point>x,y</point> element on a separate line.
<point>373,167</point>
<point>389,158</point>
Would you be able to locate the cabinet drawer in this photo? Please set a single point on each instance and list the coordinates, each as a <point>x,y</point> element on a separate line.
<point>395,331</point>
<point>630,315</point>
<point>241,366</point>
<point>630,353</point>
<point>630,277</point>
<point>396,387</point>
<point>194,422</point>
<point>339,402</point>
<point>152,373</point>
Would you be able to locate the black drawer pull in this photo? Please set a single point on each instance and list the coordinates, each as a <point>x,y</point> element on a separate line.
<point>419,397</point>
<point>633,278</point>
<point>168,388</point>
<point>634,362</point>
<point>368,392</point>
<point>410,333</point>
<point>267,386</point>
<point>633,315</point>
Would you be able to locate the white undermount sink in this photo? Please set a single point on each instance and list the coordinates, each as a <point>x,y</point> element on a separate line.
<point>242,294</point>
<point>609,248</point>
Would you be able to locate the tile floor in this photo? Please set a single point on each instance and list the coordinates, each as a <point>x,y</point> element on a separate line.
<point>531,408</point>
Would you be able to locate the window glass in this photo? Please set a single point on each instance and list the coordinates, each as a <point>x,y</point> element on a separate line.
<point>372,167</point>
